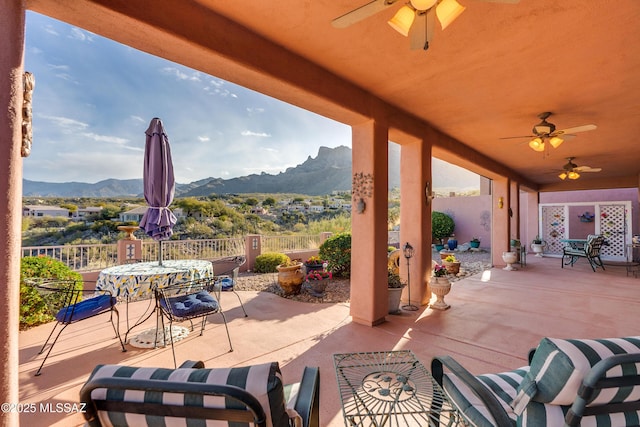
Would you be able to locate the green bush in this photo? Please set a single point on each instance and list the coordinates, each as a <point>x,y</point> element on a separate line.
<point>442,226</point>
<point>336,250</point>
<point>34,307</point>
<point>268,261</point>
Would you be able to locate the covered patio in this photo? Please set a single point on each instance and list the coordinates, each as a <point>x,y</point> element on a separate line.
<point>486,77</point>
<point>492,323</point>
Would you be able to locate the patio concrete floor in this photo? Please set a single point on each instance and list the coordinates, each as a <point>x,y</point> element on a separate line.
<point>490,327</point>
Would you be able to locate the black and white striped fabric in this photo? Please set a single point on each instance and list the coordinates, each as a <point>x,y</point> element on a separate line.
<point>546,415</point>
<point>559,366</point>
<point>503,386</point>
<point>263,381</point>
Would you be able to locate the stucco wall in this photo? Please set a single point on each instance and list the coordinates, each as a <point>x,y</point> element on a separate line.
<point>472,216</point>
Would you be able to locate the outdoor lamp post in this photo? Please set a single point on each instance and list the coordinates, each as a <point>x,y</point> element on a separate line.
<point>407,250</point>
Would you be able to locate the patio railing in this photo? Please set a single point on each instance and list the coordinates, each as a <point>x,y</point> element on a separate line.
<point>78,257</point>
<point>193,249</point>
<point>290,243</point>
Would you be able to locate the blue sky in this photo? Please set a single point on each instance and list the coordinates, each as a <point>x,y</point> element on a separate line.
<point>94,99</point>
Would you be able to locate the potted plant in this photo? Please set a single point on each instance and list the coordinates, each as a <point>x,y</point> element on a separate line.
<point>395,286</point>
<point>475,242</point>
<point>317,280</point>
<point>452,243</point>
<point>440,286</point>
<point>452,264</point>
<point>537,246</point>
<point>442,226</point>
<point>314,263</point>
<point>290,276</point>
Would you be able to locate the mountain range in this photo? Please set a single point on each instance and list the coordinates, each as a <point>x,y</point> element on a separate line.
<point>329,171</point>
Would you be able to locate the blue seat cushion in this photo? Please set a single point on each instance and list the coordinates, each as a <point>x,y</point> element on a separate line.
<point>227,284</point>
<point>191,305</point>
<point>85,309</point>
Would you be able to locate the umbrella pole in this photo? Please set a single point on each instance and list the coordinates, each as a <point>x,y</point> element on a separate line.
<point>160,252</point>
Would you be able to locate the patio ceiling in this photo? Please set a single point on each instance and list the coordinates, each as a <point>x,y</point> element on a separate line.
<point>487,76</point>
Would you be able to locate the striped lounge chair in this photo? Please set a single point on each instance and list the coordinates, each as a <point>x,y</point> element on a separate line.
<point>117,395</point>
<point>568,382</point>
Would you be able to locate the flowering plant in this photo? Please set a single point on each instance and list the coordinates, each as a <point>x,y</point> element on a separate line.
<point>439,270</point>
<point>314,260</point>
<point>451,258</point>
<point>318,275</point>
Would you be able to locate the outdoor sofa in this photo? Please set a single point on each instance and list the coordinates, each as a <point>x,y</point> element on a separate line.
<point>579,382</point>
<point>117,395</point>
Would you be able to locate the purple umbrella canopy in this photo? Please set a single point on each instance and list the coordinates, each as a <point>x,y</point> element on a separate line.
<point>159,184</point>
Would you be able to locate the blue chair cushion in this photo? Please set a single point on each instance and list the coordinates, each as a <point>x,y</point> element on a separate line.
<point>227,284</point>
<point>191,304</point>
<point>85,309</point>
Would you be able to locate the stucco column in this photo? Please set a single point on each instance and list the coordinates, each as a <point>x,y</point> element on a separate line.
<point>369,302</point>
<point>415,217</point>
<point>12,22</point>
<point>500,226</point>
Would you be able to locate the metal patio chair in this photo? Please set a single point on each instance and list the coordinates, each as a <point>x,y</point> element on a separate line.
<point>188,301</point>
<point>67,303</point>
<point>590,251</point>
<point>229,278</point>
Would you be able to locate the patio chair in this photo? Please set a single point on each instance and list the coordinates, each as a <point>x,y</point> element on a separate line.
<point>594,382</point>
<point>188,301</point>
<point>590,251</point>
<point>229,278</point>
<point>67,304</point>
<point>192,395</point>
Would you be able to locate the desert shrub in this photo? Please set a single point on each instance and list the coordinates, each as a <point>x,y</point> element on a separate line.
<point>268,261</point>
<point>36,308</point>
<point>442,225</point>
<point>336,250</point>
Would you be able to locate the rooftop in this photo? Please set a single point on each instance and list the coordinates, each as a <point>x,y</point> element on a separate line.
<point>491,325</point>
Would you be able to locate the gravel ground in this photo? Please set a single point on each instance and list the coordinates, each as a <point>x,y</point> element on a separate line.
<point>338,289</point>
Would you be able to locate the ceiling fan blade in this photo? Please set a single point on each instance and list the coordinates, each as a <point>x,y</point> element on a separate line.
<point>576,129</point>
<point>421,32</point>
<point>361,13</point>
<point>515,137</point>
<point>587,169</point>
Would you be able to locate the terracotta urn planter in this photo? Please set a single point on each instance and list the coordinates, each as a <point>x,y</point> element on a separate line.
<point>290,278</point>
<point>452,267</point>
<point>440,286</point>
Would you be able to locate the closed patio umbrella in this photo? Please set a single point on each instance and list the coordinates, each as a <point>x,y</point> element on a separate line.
<point>159,185</point>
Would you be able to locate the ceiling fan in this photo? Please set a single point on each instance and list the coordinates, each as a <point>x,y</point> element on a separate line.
<point>545,132</point>
<point>416,19</point>
<point>572,171</point>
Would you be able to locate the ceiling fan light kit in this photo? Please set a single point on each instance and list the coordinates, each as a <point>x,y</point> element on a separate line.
<point>402,20</point>
<point>572,171</point>
<point>416,19</point>
<point>545,132</point>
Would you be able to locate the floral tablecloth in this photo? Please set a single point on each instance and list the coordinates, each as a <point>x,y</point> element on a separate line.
<point>138,280</point>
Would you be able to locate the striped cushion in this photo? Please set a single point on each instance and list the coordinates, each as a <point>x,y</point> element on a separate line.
<point>559,366</point>
<point>544,415</point>
<point>264,382</point>
<point>503,386</point>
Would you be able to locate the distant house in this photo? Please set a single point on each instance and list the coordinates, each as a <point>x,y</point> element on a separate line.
<point>41,210</point>
<point>316,208</point>
<point>133,215</point>
<point>136,214</point>
<point>83,213</point>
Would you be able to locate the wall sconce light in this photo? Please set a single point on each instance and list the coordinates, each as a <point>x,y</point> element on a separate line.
<point>427,193</point>
<point>500,202</point>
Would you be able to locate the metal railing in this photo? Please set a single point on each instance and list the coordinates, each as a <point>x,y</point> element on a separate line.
<point>193,249</point>
<point>78,257</point>
<point>290,243</point>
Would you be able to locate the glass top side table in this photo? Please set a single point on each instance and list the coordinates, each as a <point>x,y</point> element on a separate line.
<point>391,388</point>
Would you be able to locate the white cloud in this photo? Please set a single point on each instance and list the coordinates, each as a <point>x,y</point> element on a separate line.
<point>204,138</point>
<point>252,110</point>
<point>138,119</point>
<point>106,138</point>
<point>251,133</point>
<point>49,29</point>
<point>81,35</point>
<point>66,124</point>
<point>181,75</point>
<point>271,150</point>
